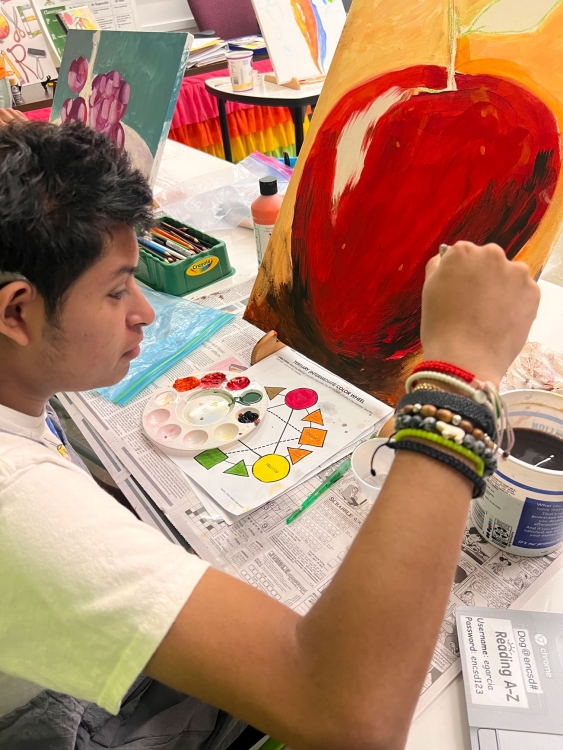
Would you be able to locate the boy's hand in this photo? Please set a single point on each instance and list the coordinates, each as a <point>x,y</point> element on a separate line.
<point>9,115</point>
<point>477,309</point>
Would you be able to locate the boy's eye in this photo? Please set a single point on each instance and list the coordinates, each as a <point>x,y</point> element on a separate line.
<point>117,295</point>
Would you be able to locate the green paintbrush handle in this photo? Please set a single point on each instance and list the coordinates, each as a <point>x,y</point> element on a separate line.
<point>332,479</point>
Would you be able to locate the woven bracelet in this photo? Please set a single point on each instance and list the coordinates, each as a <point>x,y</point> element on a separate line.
<point>439,440</point>
<point>478,395</point>
<point>446,368</point>
<point>445,458</point>
<point>467,408</point>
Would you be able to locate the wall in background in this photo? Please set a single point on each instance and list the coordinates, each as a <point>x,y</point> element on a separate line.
<point>165,15</point>
<point>172,15</point>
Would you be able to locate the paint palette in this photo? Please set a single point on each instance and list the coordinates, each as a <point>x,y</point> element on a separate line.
<point>204,411</point>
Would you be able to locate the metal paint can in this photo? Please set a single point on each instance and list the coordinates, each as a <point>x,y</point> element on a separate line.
<point>522,509</point>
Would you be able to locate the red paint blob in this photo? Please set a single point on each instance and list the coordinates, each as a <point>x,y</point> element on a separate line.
<point>301,398</point>
<point>237,384</point>
<point>213,380</point>
<point>185,384</point>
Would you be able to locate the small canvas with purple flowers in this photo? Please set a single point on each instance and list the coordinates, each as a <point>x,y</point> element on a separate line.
<point>124,84</point>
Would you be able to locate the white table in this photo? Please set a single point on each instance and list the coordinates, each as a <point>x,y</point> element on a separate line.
<point>443,726</point>
<point>264,94</point>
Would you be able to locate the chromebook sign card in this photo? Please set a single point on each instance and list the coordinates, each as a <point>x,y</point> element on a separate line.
<point>513,676</point>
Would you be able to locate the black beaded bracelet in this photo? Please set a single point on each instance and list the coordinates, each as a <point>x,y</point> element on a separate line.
<point>445,458</point>
<point>467,408</point>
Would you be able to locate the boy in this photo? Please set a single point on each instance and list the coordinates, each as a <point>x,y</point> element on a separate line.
<point>91,597</point>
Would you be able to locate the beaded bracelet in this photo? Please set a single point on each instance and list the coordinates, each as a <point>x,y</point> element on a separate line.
<point>445,458</point>
<point>445,443</point>
<point>479,415</point>
<point>446,369</point>
<point>424,387</point>
<point>446,422</point>
<point>476,394</point>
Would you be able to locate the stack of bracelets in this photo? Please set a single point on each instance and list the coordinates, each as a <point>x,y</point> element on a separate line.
<point>430,418</point>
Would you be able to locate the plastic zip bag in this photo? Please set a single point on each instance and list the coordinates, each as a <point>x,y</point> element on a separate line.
<point>180,327</point>
<point>222,199</point>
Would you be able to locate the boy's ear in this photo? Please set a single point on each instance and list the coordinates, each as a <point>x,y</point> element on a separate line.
<point>16,300</point>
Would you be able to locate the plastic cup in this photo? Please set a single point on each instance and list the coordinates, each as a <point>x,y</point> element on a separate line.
<point>362,464</point>
<point>258,80</point>
<point>240,69</point>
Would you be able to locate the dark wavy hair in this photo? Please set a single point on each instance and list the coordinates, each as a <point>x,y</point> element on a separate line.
<point>62,190</point>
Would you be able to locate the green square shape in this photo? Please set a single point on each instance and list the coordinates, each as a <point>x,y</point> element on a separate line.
<point>212,457</point>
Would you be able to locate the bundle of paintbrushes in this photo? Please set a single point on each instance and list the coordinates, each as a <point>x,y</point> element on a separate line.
<point>171,244</point>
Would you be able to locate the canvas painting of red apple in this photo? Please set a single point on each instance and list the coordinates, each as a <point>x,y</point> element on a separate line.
<point>124,84</point>
<point>435,125</point>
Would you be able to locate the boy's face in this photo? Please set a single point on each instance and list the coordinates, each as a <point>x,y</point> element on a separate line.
<point>98,329</point>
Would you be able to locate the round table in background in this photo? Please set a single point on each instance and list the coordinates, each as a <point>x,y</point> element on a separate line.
<point>264,95</point>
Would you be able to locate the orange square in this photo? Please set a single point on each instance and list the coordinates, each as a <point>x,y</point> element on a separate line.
<point>313,436</point>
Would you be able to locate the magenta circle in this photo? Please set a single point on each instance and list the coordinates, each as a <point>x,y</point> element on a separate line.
<point>301,398</point>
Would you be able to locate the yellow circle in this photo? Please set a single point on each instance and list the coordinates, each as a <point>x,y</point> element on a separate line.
<point>271,468</point>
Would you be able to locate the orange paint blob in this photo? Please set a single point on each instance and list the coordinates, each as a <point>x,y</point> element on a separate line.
<point>186,384</point>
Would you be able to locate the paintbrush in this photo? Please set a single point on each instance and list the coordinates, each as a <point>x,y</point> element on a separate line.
<point>176,236</point>
<point>186,252</point>
<point>172,238</point>
<point>159,249</point>
<point>154,254</point>
<point>183,233</point>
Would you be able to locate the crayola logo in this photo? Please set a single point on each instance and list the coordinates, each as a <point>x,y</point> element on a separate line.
<point>202,266</point>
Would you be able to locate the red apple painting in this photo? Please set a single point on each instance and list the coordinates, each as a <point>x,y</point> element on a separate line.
<point>397,164</point>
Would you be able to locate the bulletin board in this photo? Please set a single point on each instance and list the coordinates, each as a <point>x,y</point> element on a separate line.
<point>22,44</point>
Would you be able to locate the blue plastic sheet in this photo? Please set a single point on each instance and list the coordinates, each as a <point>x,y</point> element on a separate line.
<point>180,327</point>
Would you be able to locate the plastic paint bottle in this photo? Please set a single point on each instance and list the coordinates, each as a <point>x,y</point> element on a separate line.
<point>16,92</point>
<point>265,210</point>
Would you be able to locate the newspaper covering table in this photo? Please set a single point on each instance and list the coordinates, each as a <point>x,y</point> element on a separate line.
<point>293,564</point>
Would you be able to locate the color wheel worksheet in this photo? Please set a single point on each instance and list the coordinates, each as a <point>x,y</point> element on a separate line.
<point>312,415</point>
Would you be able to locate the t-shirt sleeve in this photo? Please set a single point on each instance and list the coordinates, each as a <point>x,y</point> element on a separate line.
<point>87,592</point>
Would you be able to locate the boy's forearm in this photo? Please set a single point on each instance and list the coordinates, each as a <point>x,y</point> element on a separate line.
<point>390,594</point>
<point>374,629</point>
<point>348,674</point>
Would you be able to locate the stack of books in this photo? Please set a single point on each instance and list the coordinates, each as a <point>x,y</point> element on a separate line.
<point>213,49</point>
<point>253,43</point>
<point>207,51</point>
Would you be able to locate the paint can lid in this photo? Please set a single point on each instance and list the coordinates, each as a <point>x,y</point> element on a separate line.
<point>268,185</point>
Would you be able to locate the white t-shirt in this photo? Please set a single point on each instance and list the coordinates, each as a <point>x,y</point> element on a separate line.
<point>87,592</point>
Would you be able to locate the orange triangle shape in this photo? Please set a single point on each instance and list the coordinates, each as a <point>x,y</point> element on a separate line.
<point>315,417</point>
<point>273,392</point>
<point>296,454</point>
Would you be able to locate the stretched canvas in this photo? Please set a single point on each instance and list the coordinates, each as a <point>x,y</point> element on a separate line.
<point>301,35</point>
<point>124,84</point>
<point>439,121</point>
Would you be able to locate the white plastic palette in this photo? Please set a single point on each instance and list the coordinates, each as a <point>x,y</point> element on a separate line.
<point>204,411</point>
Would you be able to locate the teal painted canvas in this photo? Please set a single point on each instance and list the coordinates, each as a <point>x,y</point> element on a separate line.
<point>124,84</point>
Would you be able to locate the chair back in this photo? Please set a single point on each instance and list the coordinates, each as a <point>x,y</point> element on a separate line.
<point>228,18</point>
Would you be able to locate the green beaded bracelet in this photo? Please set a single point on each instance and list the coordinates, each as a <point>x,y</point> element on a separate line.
<point>433,438</point>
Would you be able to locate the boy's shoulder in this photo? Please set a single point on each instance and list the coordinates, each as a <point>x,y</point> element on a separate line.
<point>19,453</point>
